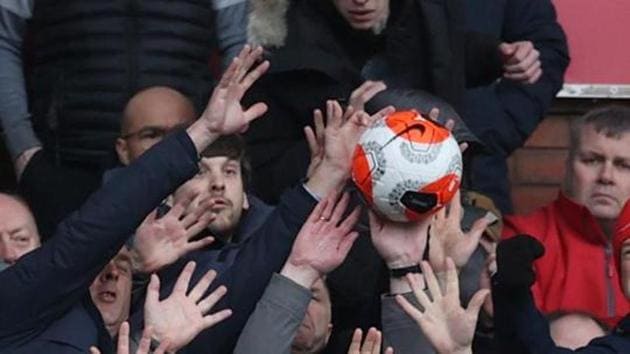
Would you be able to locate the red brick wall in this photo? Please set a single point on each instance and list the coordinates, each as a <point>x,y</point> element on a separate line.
<point>536,170</point>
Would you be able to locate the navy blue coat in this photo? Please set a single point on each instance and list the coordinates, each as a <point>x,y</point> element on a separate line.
<point>504,114</point>
<point>44,299</point>
<point>245,268</point>
<point>521,328</point>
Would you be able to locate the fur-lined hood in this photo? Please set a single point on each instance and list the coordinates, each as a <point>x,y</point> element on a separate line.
<point>267,25</point>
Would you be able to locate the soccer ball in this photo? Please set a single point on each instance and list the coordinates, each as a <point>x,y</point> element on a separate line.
<point>406,166</point>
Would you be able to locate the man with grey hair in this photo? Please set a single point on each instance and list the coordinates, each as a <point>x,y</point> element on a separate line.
<point>577,272</point>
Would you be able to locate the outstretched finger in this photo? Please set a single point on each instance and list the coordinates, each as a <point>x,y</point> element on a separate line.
<point>254,112</point>
<point>355,344</point>
<point>452,283</point>
<point>351,220</point>
<point>346,243</point>
<point>209,301</point>
<point>326,213</point>
<point>340,208</point>
<point>431,281</point>
<point>434,115</point>
<point>372,343</point>
<point>162,348</point>
<point>334,114</point>
<point>94,350</point>
<point>211,320</point>
<point>145,341</point>
<point>317,212</point>
<point>253,76</point>
<point>202,285</point>
<point>476,302</point>
<point>382,114</point>
<point>181,285</point>
<point>199,244</point>
<point>455,212</point>
<point>409,309</point>
<point>152,298</point>
<point>248,61</point>
<point>123,338</point>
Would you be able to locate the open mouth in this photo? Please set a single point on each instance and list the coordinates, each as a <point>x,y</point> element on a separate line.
<point>107,297</point>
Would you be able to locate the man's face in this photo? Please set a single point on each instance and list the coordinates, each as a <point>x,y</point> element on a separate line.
<point>149,116</point>
<point>220,178</point>
<point>625,267</point>
<point>18,232</point>
<point>313,334</point>
<point>600,173</point>
<point>363,14</point>
<point>111,291</point>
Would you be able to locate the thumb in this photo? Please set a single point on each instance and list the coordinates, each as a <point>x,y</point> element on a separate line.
<point>475,303</point>
<point>507,49</point>
<point>153,293</point>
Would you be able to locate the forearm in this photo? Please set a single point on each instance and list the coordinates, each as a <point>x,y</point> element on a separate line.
<point>86,240</point>
<point>262,255</point>
<point>273,325</point>
<point>14,115</point>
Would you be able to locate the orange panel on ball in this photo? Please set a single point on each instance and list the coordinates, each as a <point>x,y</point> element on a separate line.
<point>411,126</point>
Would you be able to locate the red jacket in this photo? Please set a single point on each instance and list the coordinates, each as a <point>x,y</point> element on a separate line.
<point>578,271</point>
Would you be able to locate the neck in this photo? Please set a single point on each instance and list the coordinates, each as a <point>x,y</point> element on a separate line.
<point>608,227</point>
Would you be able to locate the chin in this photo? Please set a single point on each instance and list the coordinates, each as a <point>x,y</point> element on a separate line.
<point>604,211</point>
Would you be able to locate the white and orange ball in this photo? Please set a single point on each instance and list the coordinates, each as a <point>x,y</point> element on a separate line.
<point>407,166</point>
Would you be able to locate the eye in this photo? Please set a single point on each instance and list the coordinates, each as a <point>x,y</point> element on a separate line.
<point>152,134</point>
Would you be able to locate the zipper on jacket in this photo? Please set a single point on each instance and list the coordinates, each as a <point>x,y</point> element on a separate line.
<point>609,271</point>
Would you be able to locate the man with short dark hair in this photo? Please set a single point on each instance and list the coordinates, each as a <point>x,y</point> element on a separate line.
<point>577,272</point>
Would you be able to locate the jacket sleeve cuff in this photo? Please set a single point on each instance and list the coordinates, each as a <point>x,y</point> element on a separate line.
<point>20,138</point>
<point>285,293</point>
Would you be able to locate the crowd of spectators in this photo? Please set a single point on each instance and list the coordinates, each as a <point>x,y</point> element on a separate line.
<point>161,210</point>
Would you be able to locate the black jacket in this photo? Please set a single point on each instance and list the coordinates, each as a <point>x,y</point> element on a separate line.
<point>321,57</point>
<point>45,306</point>
<point>90,56</point>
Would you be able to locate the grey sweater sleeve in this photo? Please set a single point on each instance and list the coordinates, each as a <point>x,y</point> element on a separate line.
<point>231,27</point>
<point>14,116</point>
<point>400,331</point>
<point>272,326</point>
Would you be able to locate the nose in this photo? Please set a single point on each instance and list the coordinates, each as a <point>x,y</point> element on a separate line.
<point>110,273</point>
<point>217,183</point>
<point>607,173</point>
<point>11,255</point>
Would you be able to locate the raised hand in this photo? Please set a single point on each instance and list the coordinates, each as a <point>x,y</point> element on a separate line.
<point>449,327</point>
<point>399,244</point>
<point>362,94</point>
<point>224,113</point>
<point>446,238</point>
<point>323,242</point>
<point>371,344</point>
<point>181,316</point>
<point>335,150</point>
<point>143,347</point>
<point>521,61</point>
<point>161,241</point>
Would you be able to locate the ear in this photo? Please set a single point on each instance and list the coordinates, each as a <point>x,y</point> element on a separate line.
<point>245,201</point>
<point>122,151</point>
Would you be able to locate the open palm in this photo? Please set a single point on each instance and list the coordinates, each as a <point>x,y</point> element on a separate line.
<point>449,327</point>
<point>224,113</point>
<point>181,316</point>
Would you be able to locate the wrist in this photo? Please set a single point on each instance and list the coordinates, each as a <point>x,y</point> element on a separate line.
<point>327,178</point>
<point>302,275</point>
<point>201,134</point>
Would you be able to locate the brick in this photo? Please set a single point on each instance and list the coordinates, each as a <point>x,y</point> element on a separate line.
<point>526,198</point>
<point>553,132</point>
<point>538,166</point>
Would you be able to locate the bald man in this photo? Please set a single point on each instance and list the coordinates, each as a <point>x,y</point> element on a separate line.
<point>148,117</point>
